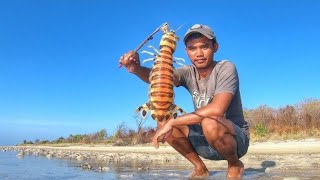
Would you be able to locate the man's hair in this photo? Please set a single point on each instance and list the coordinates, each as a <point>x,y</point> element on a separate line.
<point>196,36</point>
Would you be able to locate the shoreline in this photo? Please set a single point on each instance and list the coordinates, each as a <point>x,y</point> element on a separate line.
<point>301,154</point>
<point>279,147</point>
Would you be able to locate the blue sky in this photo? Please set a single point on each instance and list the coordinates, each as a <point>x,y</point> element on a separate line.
<point>59,70</point>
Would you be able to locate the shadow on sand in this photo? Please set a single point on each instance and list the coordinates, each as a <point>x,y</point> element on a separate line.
<point>264,166</point>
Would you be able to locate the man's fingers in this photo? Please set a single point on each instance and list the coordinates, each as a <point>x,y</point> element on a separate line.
<point>155,142</point>
<point>158,137</point>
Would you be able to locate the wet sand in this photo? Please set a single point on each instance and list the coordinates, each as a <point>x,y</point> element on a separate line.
<point>261,157</point>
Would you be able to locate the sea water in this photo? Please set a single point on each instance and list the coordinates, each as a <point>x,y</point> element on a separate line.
<point>31,167</point>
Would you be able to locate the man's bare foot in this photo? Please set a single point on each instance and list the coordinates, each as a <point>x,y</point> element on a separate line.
<point>196,174</point>
<point>235,170</point>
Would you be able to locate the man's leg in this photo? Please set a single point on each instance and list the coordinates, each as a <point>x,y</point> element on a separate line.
<point>220,134</point>
<point>179,141</point>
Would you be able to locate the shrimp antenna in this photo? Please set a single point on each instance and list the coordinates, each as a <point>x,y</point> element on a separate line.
<point>180,27</point>
<point>149,37</point>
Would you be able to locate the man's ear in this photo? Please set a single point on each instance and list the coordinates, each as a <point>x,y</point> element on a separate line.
<point>215,47</point>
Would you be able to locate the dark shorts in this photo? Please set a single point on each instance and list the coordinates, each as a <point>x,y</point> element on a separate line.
<point>200,144</point>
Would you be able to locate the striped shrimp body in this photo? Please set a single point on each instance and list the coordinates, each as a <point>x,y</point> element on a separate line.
<point>161,95</point>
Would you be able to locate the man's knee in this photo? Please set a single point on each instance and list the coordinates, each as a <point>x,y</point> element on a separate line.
<point>219,125</point>
<point>209,125</point>
<point>180,131</point>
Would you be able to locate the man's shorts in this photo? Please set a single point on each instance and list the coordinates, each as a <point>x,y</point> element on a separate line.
<point>201,146</point>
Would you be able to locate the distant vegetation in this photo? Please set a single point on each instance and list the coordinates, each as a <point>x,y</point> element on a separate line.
<point>297,121</point>
<point>301,120</point>
<point>121,137</point>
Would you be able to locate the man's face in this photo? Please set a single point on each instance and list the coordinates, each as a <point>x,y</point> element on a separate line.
<point>200,52</point>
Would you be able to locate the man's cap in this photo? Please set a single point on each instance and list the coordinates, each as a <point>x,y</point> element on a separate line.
<point>199,28</point>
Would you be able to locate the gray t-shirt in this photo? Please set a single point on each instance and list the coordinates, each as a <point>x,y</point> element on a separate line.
<point>223,78</point>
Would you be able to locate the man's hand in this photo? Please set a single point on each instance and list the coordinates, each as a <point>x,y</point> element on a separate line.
<point>131,61</point>
<point>162,134</point>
